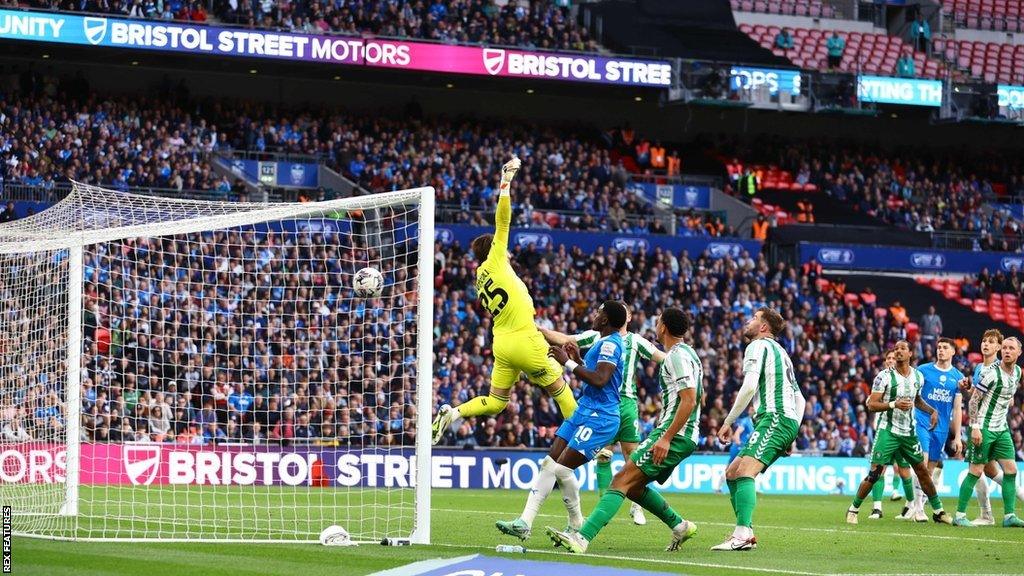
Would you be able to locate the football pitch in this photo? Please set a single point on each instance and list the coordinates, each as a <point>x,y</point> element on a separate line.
<point>796,535</point>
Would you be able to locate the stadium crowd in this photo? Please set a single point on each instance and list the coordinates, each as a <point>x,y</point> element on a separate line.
<point>909,188</point>
<point>542,24</point>
<point>49,133</point>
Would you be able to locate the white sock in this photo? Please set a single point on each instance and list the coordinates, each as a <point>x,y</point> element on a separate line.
<point>981,489</point>
<point>543,484</point>
<point>570,493</point>
<point>743,533</point>
<point>877,506</point>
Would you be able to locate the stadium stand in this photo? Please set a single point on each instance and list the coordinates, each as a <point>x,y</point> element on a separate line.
<point>990,61</point>
<point>543,25</point>
<point>812,8</point>
<point>999,15</point>
<point>874,53</point>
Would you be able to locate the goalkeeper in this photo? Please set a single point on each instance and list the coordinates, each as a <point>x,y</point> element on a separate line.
<point>518,345</point>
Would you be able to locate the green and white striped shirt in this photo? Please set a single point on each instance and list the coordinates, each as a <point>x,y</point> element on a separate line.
<point>634,347</point>
<point>894,385</point>
<point>998,388</point>
<point>681,370</point>
<point>777,390</point>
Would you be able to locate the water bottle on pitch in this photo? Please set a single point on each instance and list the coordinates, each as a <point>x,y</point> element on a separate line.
<point>509,549</point>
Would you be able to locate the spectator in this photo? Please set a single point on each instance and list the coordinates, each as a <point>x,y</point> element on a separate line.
<point>921,35</point>
<point>905,66</point>
<point>835,46</point>
<point>759,228</point>
<point>899,313</point>
<point>804,211</point>
<point>931,327</point>
<point>784,39</point>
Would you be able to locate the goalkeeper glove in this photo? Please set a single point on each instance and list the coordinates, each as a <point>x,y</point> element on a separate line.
<point>508,172</point>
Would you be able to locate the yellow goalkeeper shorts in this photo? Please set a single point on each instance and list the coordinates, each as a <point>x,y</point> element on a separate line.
<point>525,351</point>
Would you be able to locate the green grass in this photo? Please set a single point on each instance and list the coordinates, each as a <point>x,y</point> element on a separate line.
<point>796,535</point>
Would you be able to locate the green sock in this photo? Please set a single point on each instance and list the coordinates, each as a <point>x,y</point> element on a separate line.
<point>966,491</point>
<point>857,501</point>
<point>908,489</point>
<point>746,500</point>
<point>1009,493</point>
<point>604,477</point>
<point>935,502</point>
<point>878,491</point>
<point>606,509</point>
<point>732,494</point>
<point>652,501</point>
<point>896,481</point>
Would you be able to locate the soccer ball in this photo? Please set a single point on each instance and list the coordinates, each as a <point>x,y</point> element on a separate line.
<point>368,283</point>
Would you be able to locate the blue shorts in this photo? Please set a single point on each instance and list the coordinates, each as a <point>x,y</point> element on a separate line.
<point>933,442</point>
<point>587,431</point>
<point>734,450</point>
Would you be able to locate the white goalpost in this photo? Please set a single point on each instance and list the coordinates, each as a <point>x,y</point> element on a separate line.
<point>182,370</point>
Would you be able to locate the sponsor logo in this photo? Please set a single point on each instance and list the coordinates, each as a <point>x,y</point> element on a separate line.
<point>629,244</point>
<point>836,256</point>
<point>723,249</point>
<point>931,260</point>
<point>444,236</point>
<point>297,174</point>
<point>691,196</point>
<point>524,239</point>
<point>494,60</point>
<point>141,463</point>
<point>1011,263</point>
<point>95,29</point>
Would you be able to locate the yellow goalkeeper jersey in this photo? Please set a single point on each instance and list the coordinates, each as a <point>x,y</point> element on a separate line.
<point>502,293</point>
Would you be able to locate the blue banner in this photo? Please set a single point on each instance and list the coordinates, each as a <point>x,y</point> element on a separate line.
<point>675,195</point>
<point>909,91</point>
<point>1011,97</point>
<point>591,241</point>
<point>516,469</point>
<point>286,174</point>
<point>479,565</point>
<point>856,257</point>
<point>1016,210</point>
<point>746,78</point>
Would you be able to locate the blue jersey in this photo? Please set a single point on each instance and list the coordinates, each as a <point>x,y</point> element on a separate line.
<point>747,428</point>
<point>940,388</point>
<point>604,399</point>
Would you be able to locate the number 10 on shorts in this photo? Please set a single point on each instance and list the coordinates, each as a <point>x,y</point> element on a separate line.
<point>582,434</point>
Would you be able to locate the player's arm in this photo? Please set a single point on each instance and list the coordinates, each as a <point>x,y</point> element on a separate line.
<point>875,403</point>
<point>607,363</point>
<point>554,337</point>
<point>648,351</point>
<point>955,425</point>
<point>752,361</point>
<point>503,214</point>
<point>925,407</point>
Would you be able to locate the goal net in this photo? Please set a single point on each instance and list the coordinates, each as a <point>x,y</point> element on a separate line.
<point>190,370</point>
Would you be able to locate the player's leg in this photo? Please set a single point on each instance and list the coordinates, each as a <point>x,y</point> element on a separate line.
<point>992,471</point>
<point>877,493</point>
<point>647,497</point>
<point>906,477</point>
<point>606,509</point>
<point>593,432</point>
<point>531,357</point>
<point>773,437</point>
<point>503,376</point>
<point>543,484</point>
<point>1002,452</point>
<point>881,455</point>
<point>925,438</point>
<point>897,482</point>
<point>629,439</point>
<point>911,451</point>
<point>977,459</point>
